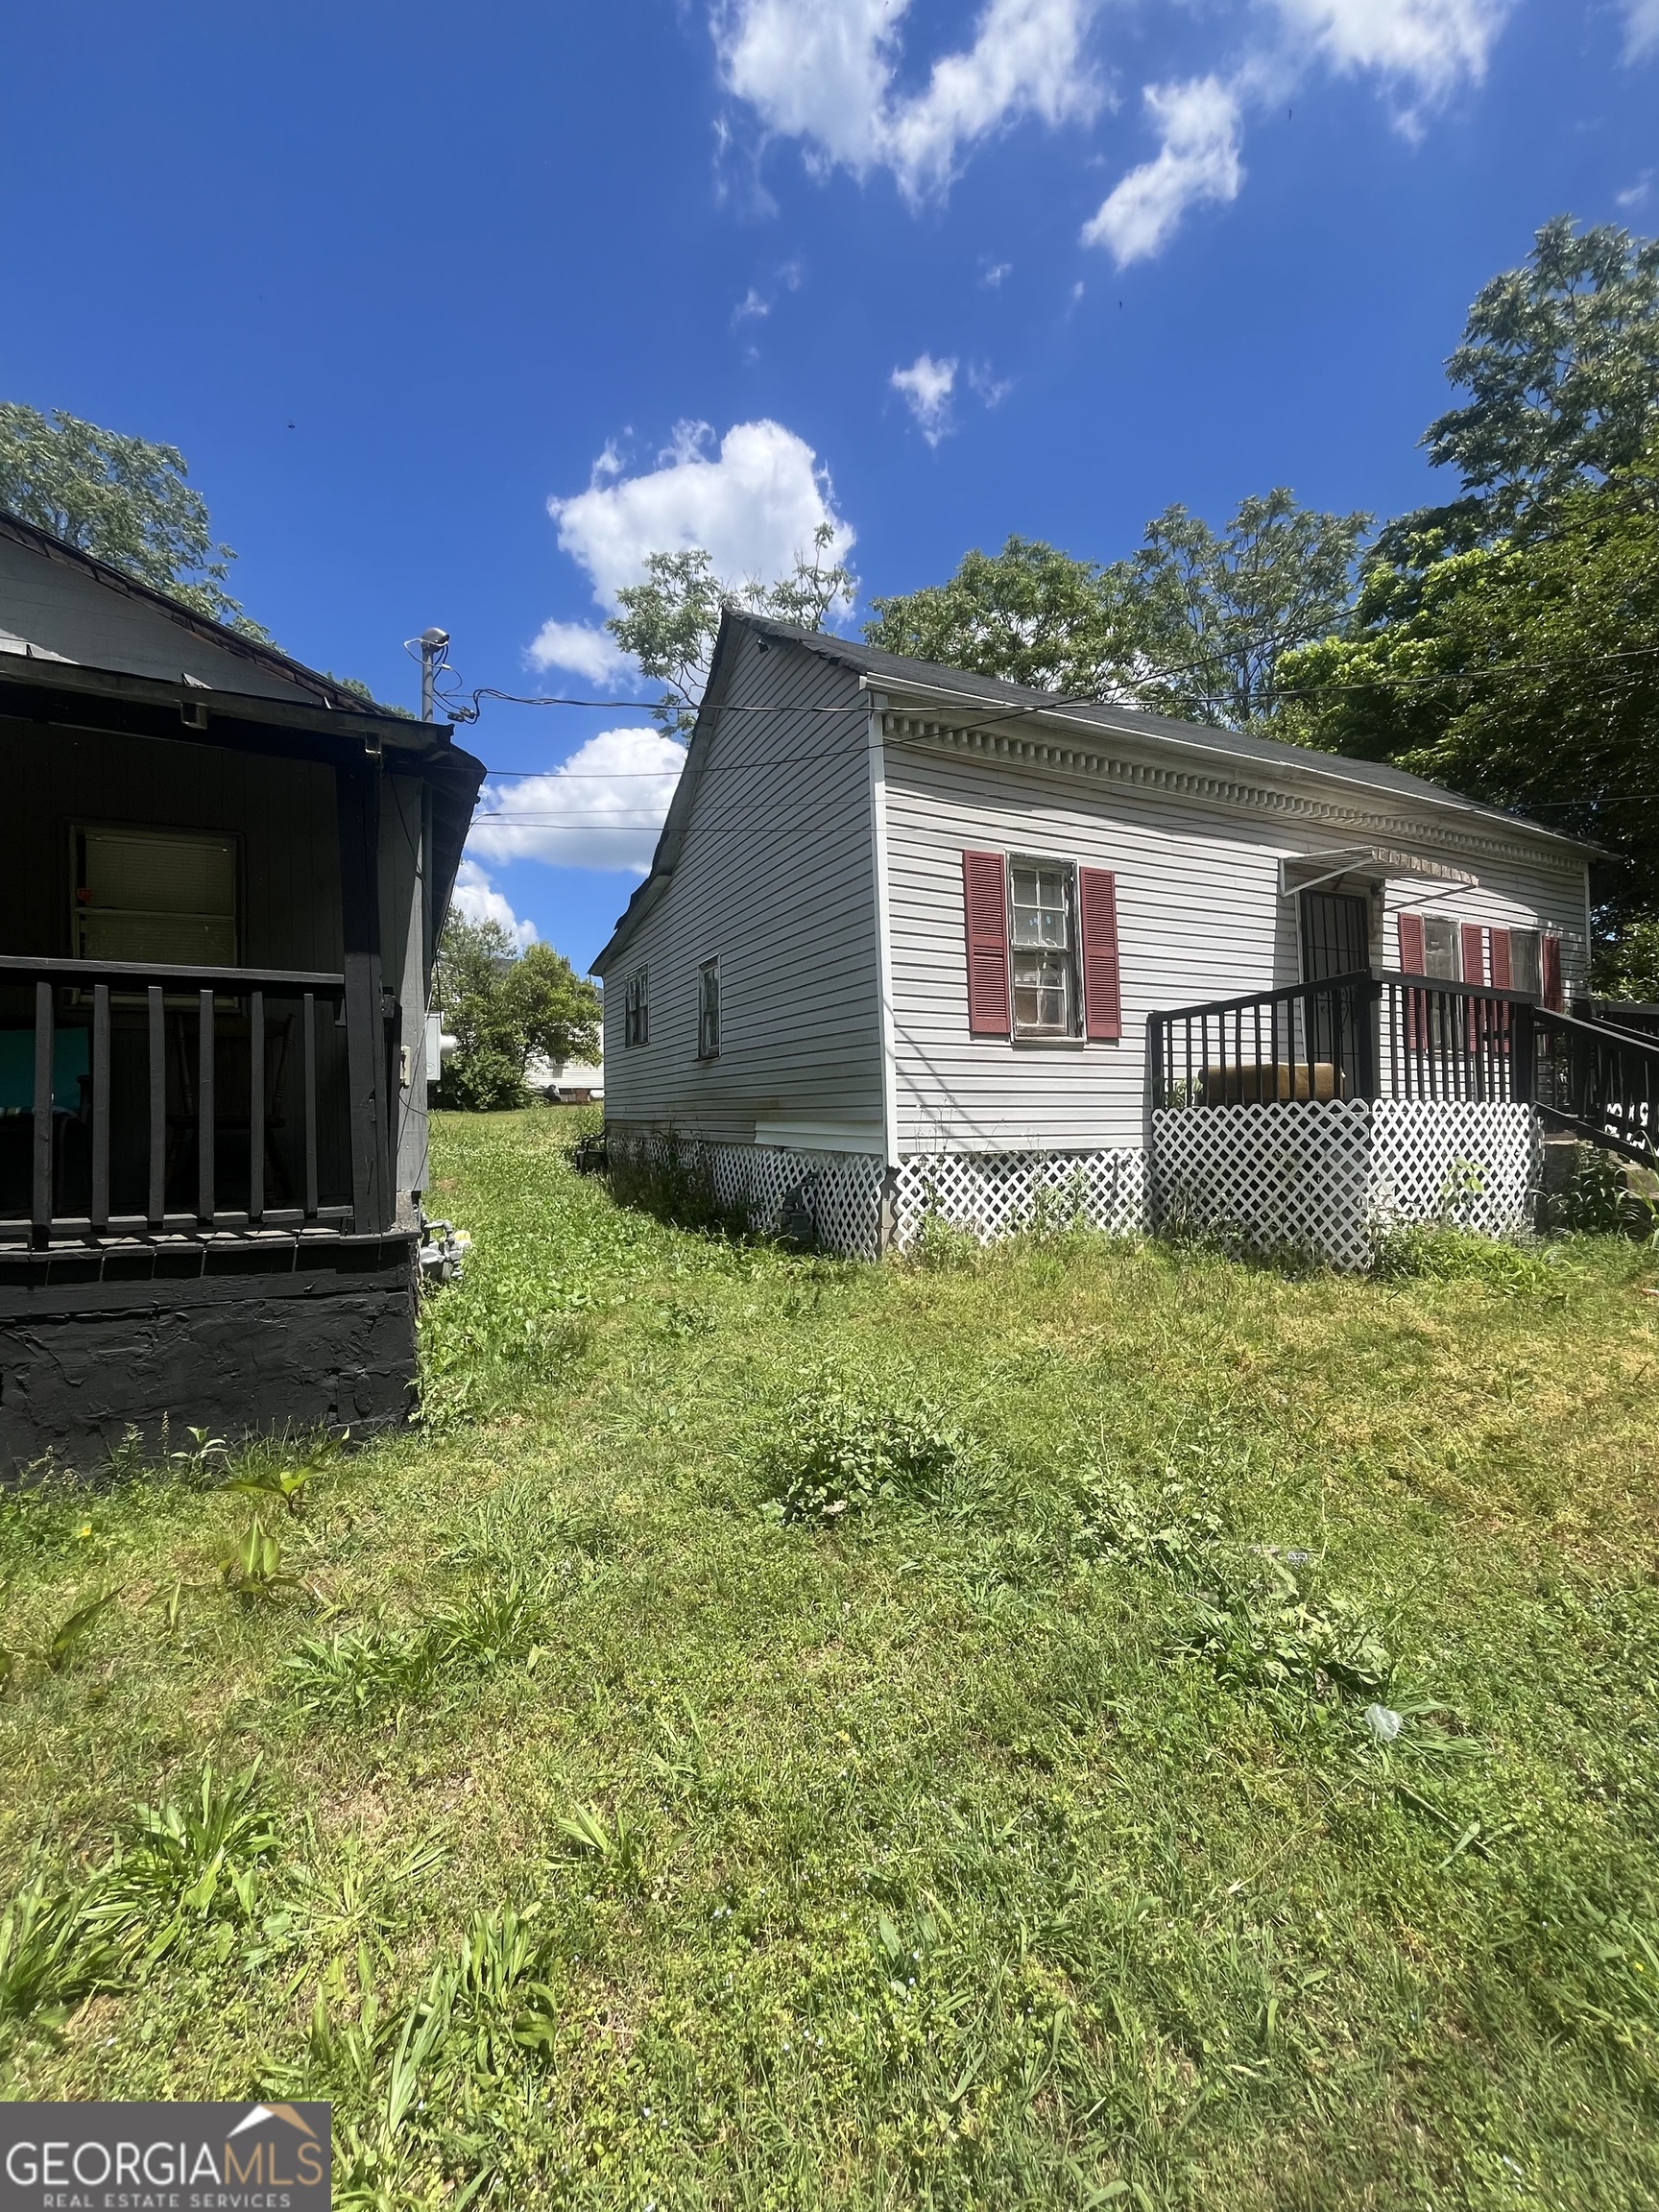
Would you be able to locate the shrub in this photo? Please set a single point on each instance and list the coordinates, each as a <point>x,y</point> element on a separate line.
<point>838,1452</point>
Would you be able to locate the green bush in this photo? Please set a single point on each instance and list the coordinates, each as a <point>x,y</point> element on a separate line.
<point>837,1452</point>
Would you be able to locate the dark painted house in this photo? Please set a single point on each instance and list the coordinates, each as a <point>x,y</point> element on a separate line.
<point>222,885</point>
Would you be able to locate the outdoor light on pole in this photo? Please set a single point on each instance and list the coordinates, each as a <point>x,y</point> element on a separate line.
<point>434,644</point>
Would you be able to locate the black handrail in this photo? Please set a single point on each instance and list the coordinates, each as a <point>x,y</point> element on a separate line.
<point>1598,1083</point>
<point>1391,1035</point>
<point>152,989</point>
<point>1364,1035</point>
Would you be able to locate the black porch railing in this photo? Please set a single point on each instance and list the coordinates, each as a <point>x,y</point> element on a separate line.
<point>140,1098</point>
<point>1396,1036</point>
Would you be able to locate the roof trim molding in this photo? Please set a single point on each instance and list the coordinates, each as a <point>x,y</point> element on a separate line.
<point>1188,780</point>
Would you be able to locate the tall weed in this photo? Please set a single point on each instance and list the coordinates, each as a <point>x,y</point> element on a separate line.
<point>837,1450</point>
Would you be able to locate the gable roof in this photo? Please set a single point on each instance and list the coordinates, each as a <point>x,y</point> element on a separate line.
<point>1197,737</point>
<point>256,660</point>
<point>931,681</point>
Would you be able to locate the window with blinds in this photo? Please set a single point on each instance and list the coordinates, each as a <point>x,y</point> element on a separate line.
<point>159,895</point>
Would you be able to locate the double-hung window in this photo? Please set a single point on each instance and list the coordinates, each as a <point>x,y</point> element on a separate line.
<point>1525,965</point>
<point>636,1008</point>
<point>708,1010</point>
<point>1043,947</point>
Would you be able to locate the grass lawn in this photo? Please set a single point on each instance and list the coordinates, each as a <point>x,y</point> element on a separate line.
<point>789,1733</point>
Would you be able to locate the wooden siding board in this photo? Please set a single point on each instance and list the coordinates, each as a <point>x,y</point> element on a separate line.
<point>281,811</point>
<point>1199,916</point>
<point>774,878</point>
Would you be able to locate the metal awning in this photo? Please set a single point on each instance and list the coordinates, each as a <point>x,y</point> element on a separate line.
<point>1382,861</point>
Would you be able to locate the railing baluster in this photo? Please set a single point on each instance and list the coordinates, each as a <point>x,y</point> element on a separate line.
<point>41,1211</point>
<point>256,1106</point>
<point>310,1090</point>
<point>100,1107</point>
<point>157,1028</point>
<point>205,1117</point>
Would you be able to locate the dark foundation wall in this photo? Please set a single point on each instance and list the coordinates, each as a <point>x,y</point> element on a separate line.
<point>282,811</point>
<point>238,1343</point>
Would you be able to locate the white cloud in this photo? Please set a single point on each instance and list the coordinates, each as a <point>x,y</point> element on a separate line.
<point>751,307</point>
<point>477,900</point>
<point>1640,29</point>
<point>584,648</point>
<point>988,388</point>
<point>1636,195</point>
<point>994,275</point>
<point>1197,161</point>
<point>601,808</point>
<point>753,506</point>
<point>822,71</point>
<point>926,386</point>
<point>1430,43</point>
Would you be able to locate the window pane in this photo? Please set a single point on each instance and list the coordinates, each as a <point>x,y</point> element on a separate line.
<point>1439,948</point>
<point>1525,967</point>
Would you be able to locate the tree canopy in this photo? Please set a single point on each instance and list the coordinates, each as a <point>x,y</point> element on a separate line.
<point>504,1007</point>
<point>124,500</point>
<point>1193,625</point>
<point>669,622</point>
<point>1560,360</point>
<point>1523,672</point>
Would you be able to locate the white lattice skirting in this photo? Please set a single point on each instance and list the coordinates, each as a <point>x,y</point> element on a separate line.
<point>1321,1177</point>
<point>994,1195</point>
<point>832,1199</point>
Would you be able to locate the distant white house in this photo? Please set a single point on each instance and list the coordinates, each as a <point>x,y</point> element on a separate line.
<point>906,928</point>
<point>565,1082</point>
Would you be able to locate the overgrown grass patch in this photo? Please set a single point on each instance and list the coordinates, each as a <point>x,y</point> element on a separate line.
<point>625,1826</point>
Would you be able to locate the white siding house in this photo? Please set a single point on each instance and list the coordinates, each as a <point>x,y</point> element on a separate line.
<point>799,985</point>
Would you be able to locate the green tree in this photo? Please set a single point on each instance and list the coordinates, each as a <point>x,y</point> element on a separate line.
<point>1193,625</point>
<point>502,1006</point>
<point>1029,614</point>
<point>122,499</point>
<point>1523,672</point>
<point>1219,611</point>
<point>669,622</point>
<point>1560,360</point>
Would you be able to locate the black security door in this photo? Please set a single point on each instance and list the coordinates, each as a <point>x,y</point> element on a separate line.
<point>1336,935</point>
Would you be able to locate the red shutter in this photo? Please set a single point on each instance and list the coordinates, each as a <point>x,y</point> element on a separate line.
<point>1102,980</point>
<point>985,905</point>
<point>1549,972</point>
<point>1474,961</point>
<point>1501,968</point>
<point>1414,961</point>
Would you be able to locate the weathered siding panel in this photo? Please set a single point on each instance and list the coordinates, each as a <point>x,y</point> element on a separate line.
<point>61,609</point>
<point>775,879</point>
<point>1200,916</point>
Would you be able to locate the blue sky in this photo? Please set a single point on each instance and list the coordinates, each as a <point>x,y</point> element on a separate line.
<point>398,278</point>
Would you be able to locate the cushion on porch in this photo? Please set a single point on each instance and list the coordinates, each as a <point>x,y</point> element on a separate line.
<point>1253,1082</point>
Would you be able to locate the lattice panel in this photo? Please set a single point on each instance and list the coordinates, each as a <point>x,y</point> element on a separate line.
<point>1455,1159</point>
<point>1292,1174</point>
<point>995,1194</point>
<point>835,1196</point>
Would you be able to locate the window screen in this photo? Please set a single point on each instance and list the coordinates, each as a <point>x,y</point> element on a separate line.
<point>1042,946</point>
<point>155,895</point>
<point>636,1009</point>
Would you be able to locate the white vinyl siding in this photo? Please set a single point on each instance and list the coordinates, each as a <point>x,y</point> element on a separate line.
<point>1200,916</point>
<point>777,871</point>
